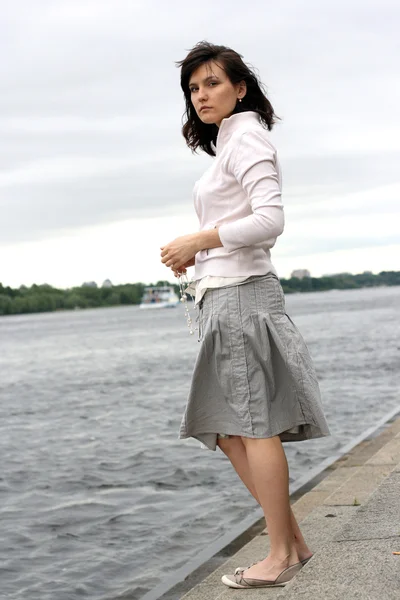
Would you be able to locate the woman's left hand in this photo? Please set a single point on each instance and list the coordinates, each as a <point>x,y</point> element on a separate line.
<point>180,251</point>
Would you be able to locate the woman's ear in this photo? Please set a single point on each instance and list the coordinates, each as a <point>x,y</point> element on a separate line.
<point>242,89</point>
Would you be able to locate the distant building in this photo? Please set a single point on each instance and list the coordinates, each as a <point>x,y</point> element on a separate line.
<point>89,284</point>
<point>300,273</point>
<point>107,283</point>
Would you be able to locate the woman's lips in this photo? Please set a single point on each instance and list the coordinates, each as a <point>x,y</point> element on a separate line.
<point>205,108</point>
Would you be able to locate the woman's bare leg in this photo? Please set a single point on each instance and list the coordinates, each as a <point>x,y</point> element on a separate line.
<point>236,452</point>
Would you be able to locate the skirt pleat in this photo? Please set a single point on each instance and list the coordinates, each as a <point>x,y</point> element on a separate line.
<point>253,376</point>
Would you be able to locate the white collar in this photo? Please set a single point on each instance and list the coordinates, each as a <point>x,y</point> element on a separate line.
<point>232,123</point>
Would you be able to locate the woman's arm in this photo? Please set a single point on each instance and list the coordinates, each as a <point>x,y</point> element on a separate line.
<point>183,249</point>
<point>208,238</point>
<point>254,168</point>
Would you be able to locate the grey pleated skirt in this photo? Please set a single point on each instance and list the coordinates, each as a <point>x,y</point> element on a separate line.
<point>253,376</point>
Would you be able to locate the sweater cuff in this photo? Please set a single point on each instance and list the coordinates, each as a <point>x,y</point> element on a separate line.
<point>228,235</point>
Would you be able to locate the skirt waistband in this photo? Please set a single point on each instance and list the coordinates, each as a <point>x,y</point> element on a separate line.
<point>257,293</point>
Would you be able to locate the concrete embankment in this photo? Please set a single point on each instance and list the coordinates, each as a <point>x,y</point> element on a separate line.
<point>349,513</point>
<point>350,519</point>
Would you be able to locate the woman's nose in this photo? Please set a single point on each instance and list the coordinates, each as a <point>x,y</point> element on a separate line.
<point>202,94</point>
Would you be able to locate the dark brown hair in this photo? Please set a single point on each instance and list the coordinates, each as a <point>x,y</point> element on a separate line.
<point>198,134</point>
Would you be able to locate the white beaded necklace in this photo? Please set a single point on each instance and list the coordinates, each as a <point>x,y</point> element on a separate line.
<point>183,281</point>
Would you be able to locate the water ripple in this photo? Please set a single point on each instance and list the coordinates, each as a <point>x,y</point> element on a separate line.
<point>99,498</point>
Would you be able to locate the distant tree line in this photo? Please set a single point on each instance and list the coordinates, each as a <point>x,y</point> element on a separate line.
<point>45,298</point>
<point>340,281</point>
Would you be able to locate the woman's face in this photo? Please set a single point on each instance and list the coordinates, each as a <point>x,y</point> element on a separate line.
<point>213,95</point>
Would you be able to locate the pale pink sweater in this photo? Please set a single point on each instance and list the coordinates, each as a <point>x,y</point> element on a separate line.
<point>241,194</point>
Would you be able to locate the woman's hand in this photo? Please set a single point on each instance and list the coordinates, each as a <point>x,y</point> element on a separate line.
<point>180,252</point>
<point>183,268</point>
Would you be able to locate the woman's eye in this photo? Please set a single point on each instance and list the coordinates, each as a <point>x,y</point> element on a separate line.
<point>195,89</point>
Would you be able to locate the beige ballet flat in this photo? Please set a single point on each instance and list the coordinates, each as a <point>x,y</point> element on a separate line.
<point>238,581</point>
<point>303,562</point>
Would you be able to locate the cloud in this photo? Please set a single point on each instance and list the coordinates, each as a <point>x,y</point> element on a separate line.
<point>129,251</point>
<point>91,107</point>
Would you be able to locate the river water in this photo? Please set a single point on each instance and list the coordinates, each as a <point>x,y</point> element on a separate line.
<point>97,495</point>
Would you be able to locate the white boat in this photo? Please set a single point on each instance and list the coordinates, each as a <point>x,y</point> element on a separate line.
<point>159,297</point>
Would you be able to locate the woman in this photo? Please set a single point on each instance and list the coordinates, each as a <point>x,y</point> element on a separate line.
<point>253,385</point>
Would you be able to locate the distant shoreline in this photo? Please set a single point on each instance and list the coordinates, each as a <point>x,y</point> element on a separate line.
<point>45,298</point>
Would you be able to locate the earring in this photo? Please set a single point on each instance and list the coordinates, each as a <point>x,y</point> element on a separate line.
<point>240,99</point>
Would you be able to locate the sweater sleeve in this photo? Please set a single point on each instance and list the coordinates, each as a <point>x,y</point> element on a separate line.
<point>254,167</point>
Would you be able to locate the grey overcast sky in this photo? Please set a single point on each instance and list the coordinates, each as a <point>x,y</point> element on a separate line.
<point>95,175</point>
